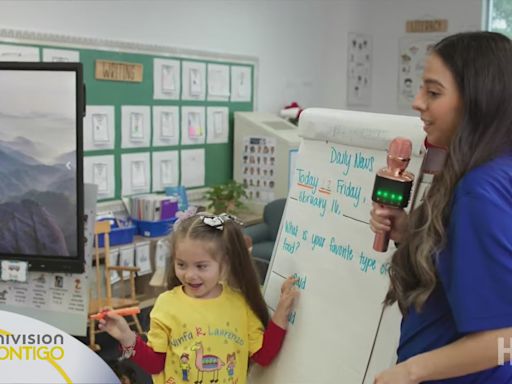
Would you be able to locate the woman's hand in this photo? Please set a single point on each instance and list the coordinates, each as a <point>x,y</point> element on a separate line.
<point>117,327</point>
<point>288,295</point>
<point>386,219</point>
<point>399,374</point>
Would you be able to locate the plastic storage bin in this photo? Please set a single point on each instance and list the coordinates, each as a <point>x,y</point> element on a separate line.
<point>154,228</point>
<point>118,236</point>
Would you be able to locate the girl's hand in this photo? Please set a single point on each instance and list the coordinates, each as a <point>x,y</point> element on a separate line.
<point>117,327</point>
<point>399,374</point>
<point>288,295</point>
<point>386,219</point>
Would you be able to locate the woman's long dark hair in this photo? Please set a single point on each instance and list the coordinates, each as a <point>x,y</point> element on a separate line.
<point>228,247</point>
<point>481,64</point>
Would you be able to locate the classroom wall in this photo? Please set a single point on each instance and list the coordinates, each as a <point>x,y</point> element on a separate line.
<point>301,45</point>
<point>269,30</point>
<point>388,18</point>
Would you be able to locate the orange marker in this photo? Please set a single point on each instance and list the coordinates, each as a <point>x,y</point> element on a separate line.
<point>121,312</point>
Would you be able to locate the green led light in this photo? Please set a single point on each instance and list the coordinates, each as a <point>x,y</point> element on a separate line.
<point>379,192</point>
<point>385,194</point>
<point>392,196</point>
<point>400,198</point>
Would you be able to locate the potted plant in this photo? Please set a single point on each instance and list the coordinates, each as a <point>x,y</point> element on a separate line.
<point>226,198</point>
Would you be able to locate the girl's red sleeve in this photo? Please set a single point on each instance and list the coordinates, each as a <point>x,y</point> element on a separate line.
<point>272,341</point>
<point>150,361</point>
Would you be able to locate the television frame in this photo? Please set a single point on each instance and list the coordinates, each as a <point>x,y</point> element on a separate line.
<point>50,263</point>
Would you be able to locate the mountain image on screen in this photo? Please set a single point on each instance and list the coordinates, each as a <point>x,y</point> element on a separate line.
<point>41,211</point>
<point>37,201</point>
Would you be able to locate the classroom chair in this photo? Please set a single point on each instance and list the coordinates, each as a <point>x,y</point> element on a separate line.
<point>264,235</point>
<point>104,296</point>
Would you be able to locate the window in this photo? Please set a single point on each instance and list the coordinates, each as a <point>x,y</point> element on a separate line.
<point>500,16</point>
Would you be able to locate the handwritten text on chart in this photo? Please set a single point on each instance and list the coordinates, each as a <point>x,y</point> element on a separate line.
<point>316,192</point>
<point>294,236</point>
<point>347,159</point>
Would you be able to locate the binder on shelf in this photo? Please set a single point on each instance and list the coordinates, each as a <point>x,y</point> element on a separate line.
<point>180,193</point>
<point>168,208</point>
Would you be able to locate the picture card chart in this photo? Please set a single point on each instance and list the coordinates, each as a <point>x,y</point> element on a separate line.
<point>326,242</point>
<point>61,292</point>
<point>412,55</point>
<point>258,167</point>
<point>359,69</point>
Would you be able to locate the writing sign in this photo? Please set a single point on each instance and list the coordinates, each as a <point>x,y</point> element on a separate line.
<point>325,241</point>
<point>118,71</point>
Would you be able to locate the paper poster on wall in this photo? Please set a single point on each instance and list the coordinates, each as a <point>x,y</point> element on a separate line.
<point>142,260</point>
<point>126,259</point>
<point>99,127</point>
<point>18,53</point>
<point>46,291</point>
<point>166,128</point>
<point>60,55</point>
<point>192,167</point>
<point>217,125</point>
<point>114,261</point>
<point>39,295</point>
<point>135,126</point>
<point>241,89</point>
<point>166,79</point>
<point>161,254</point>
<point>258,167</point>
<point>99,170</point>
<point>412,55</point>
<point>193,125</point>
<point>359,58</point>
<point>135,173</point>
<point>165,170</point>
<point>75,289</point>
<point>194,80</point>
<point>218,82</point>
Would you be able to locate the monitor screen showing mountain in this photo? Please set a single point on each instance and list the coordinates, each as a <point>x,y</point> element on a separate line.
<point>41,214</point>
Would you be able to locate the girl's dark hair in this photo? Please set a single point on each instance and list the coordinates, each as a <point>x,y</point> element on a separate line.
<point>229,248</point>
<point>124,368</point>
<point>480,63</point>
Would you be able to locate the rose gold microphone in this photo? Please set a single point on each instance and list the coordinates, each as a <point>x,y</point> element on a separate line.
<point>393,184</point>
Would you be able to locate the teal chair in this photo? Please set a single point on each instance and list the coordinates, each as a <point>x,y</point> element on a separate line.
<point>264,235</point>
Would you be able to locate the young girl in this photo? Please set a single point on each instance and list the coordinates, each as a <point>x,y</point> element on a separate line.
<point>212,321</point>
<point>452,272</point>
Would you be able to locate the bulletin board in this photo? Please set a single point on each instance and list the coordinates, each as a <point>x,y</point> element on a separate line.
<point>173,127</point>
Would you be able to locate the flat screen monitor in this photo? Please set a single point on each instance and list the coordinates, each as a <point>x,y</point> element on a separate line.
<point>41,182</point>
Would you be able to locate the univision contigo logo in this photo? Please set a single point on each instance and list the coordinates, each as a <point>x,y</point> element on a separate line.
<point>31,346</point>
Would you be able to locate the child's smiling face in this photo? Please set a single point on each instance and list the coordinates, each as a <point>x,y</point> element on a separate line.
<point>197,269</point>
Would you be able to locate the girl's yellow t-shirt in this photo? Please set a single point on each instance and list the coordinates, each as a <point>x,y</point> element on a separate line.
<point>204,339</point>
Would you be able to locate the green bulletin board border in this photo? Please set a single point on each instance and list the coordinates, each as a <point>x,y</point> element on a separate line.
<point>218,157</point>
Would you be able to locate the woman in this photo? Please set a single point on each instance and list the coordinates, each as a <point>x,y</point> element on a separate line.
<point>452,272</point>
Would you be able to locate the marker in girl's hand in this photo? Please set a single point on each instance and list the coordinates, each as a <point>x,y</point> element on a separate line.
<point>121,312</point>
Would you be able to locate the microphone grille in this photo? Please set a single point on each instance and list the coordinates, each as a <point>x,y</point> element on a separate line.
<point>400,147</point>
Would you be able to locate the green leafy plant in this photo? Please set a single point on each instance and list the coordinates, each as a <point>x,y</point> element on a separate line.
<point>226,198</point>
